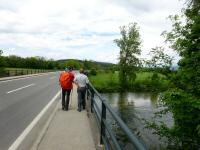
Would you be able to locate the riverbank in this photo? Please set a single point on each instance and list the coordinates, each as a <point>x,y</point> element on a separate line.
<point>145,82</point>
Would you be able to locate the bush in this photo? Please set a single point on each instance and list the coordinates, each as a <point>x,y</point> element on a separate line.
<point>93,72</point>
<point>2,72</point>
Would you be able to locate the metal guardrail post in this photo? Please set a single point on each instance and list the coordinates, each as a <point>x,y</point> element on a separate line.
<point>92,100</point>
<point>103,117</point>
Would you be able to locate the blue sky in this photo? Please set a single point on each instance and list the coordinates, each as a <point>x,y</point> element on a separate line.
<point>81,29</point>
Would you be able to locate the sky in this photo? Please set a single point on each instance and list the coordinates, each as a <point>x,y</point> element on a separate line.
<point>81,29</point>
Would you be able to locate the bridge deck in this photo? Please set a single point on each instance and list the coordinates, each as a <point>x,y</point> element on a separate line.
<point>69,130</point>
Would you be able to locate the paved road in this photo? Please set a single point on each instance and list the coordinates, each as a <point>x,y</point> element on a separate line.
<point>21,101</point>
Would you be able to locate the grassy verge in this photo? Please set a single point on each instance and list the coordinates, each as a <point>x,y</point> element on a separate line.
<point>106,82</point>
<point>145,81</point>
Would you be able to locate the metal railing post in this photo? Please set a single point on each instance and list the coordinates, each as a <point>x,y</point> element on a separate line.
<point>92,100</point>
<point>103,117</point>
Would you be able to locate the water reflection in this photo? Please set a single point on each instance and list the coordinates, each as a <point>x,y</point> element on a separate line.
<point>132,108</point>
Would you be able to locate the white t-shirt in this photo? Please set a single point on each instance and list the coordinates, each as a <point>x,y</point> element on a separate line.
<point>81,80</point>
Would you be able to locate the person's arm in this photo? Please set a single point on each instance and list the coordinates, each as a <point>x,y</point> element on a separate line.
<point>72,77</point>
<point>75,81</point>
<point>87,82</point>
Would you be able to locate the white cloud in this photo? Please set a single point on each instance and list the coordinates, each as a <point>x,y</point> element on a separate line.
<point>79,29</point>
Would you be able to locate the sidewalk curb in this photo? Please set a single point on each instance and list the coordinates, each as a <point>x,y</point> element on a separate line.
<point>45,129</point>
<point>34,132</point>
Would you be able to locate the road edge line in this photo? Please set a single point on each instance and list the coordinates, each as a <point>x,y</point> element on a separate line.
<point>45,129</point>
<point>23,135</point>
<point>22,77</point>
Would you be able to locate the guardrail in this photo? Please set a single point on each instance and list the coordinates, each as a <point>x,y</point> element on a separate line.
<point>107,136</point>
<point>18,72</point>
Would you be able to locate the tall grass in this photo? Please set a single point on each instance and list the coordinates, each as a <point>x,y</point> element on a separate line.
<point>145,81</point>
<point>106,82</point>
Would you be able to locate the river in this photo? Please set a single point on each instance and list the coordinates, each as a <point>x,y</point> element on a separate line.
<point>133,108</point>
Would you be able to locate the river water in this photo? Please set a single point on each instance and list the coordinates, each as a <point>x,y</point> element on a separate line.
<point>133,108</point>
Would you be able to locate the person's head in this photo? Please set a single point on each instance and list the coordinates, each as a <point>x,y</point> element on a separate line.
<point>81,70</point>
<point>70,68</point>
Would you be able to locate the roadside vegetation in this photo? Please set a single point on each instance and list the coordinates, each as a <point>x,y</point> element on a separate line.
<point>16,63</point>
<point>180,88</point>
<point>144,82</point>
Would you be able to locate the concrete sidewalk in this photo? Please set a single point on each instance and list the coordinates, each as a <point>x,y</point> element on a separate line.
<point>68,130</point>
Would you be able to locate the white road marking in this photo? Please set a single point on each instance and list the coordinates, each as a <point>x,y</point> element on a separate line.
<point>21,88</point>
<point>14,79</point>
<point>33,76</point>
<point>23,135</point>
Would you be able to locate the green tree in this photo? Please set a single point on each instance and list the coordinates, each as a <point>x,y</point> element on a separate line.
<point>74,63</point>
<point>184,100</point>
<point>130,47</point>
<point>16,61</point>
<point>2,61</point>
<point>159,59</point>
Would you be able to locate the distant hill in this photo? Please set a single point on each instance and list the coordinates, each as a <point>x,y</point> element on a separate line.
<point>89,63</point>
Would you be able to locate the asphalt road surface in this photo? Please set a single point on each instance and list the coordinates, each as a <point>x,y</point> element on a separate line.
<point>21,100</point>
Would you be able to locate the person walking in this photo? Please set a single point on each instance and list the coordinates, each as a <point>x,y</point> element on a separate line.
<point>66,80</point>
<point>81,80</point>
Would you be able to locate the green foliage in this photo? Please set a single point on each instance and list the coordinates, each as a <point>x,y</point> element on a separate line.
<point>89,64</point>
<point>38,62</point>
<point>2,60</point>
<point>130,47</point>
<point>160,60</point>
<point>184,100</point>
<point>145,81</point>
<point>74,63</point>
<point>106,82</point>
<point>185,109</point>
<point>93,72</point>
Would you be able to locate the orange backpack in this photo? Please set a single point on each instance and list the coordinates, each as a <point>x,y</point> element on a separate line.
<point>65,81</point>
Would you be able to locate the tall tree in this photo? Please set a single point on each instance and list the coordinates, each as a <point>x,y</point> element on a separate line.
<point>184,100</point>
<point>130,47</point>
<point>160,61</point>
<point>2,62</point>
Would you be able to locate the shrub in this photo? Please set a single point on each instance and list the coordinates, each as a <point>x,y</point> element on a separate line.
<point>93,72</point>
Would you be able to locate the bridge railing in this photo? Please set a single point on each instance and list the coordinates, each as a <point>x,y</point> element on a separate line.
<point>107,136</point>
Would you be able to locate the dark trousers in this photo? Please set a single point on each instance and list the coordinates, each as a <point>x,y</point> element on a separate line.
<point>81,97</point>
<point>65,98</point>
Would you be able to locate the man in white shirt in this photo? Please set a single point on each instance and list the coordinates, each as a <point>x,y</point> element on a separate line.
<point>81,80</point>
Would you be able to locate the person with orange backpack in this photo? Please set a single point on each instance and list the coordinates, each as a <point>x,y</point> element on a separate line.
<point>66,80</point>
